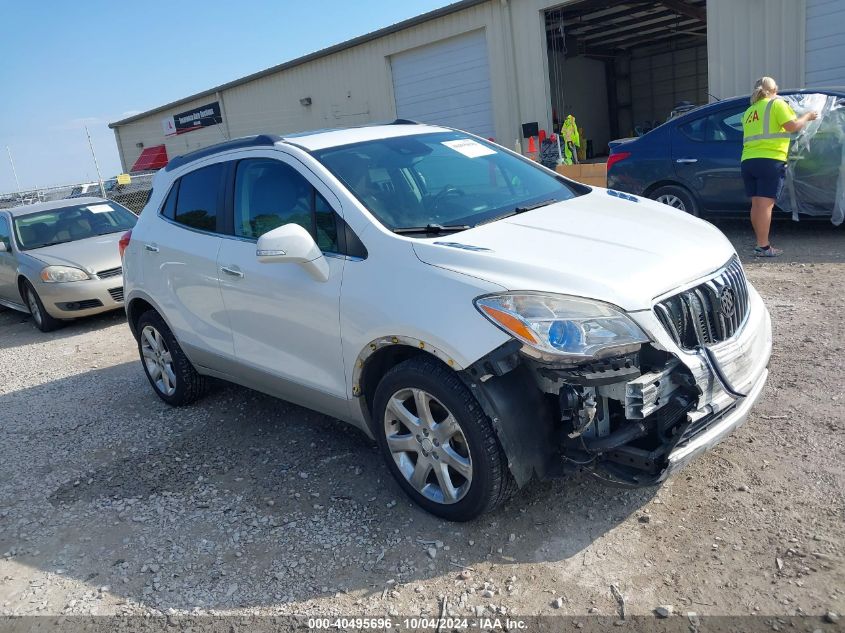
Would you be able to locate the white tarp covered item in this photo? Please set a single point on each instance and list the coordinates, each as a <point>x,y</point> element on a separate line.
<point>815,175</point>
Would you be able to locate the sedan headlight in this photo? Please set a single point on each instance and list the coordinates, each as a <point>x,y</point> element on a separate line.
<point>57,274</point>
<point>563,327</point>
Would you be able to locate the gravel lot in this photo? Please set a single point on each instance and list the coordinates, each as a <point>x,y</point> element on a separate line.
<point>111,502</point>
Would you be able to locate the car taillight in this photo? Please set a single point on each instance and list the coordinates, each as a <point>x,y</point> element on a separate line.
<point>615,158</point>
<point>124,242</point>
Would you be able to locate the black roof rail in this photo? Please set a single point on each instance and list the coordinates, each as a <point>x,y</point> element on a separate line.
<point>405,122</point>
<point>261,140</point>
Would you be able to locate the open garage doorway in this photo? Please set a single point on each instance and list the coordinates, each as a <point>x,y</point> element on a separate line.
<point>622,68</point>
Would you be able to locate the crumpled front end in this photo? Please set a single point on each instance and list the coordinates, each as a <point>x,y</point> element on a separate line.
<point>637,418</point>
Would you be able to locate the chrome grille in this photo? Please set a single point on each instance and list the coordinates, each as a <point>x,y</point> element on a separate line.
<point>709,313</point>
<point>110,272</point>
<point>116,293</point>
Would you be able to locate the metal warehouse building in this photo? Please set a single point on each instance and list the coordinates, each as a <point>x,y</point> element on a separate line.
<point>492,66</point>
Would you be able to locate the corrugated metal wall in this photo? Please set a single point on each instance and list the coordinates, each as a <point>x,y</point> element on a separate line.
<point>747,39</point>
<point>355,86</point>
<point>350,87</point>
<point>825,43</point>
<point>659,81</point>
<point>149,132</point>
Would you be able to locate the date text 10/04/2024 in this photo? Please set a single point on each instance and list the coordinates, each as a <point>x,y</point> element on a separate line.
<point>415,624</point>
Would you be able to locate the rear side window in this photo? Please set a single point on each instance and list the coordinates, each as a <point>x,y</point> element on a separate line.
<point>718,127</point>
<point>269,194</point>
<point>197,198</point>
<point>169,208</point>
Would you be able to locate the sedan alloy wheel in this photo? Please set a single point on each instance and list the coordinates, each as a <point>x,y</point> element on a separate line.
<point>672,201</point>
<point>34,310</point>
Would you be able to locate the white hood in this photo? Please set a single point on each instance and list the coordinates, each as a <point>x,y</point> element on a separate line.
<point>597,245</point>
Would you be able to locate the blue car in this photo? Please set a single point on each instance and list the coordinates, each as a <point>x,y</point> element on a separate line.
<point>692,162</point>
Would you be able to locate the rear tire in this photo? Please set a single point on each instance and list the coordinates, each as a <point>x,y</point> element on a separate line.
<point>42,320</point>
<point>676,197</point>
<point>447,458</point>
<point>169,371</point>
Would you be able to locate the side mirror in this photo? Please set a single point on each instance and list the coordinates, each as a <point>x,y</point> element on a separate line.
<point>291,243</point>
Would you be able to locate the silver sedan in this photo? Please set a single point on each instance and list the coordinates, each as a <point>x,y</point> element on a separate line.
<point>60,260</point>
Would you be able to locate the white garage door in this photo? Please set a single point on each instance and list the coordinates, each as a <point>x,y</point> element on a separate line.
<point>447,83</point>
<point>825,52</point>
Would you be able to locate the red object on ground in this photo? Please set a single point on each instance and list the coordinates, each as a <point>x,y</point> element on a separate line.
<point>615,158</point>
<point>151,158</point>
<point>542,135</point>
<point>532,146</point>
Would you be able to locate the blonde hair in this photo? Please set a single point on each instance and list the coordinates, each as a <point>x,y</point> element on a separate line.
<point>763,88</point>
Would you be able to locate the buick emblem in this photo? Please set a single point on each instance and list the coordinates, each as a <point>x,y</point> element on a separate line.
<point>727,303</point>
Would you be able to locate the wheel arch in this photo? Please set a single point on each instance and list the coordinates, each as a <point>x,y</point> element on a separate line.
<point>380,356</point>
<point>698,208</point>
<point>667,183</point>
<point>22,279</point>
<point>136,306</point>
<point>499,381</point>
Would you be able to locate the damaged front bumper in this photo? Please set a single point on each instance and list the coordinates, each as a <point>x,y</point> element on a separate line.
<point>719,428</point>
<point>633,420</point>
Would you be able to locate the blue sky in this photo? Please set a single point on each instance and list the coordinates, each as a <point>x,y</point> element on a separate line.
<point>70,64</point>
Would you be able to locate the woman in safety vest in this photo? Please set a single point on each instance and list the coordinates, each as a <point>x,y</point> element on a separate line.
<point>766,129</point>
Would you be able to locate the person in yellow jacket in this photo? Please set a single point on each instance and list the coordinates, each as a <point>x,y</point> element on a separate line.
<point>766,128</point>
<point>572,140</point>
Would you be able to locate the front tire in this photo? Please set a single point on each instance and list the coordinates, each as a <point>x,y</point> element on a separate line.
<point>437,441</point>
<point>43,321</point>
<point>169,371</point>
<point>677,198</point>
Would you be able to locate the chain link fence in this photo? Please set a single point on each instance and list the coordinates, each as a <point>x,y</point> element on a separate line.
<point>133,195</point>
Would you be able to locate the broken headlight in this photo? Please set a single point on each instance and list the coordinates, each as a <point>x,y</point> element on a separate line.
<point>563,327</point>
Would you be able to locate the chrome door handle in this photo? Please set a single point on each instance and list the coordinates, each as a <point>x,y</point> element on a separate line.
<point>151,247</point>
<point>234,272</point>
<point>687,160</point>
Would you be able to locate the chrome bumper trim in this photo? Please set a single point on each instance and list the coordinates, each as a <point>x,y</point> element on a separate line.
<point>732,420</point>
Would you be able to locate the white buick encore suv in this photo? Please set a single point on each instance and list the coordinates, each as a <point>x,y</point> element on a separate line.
<point>484,319</point>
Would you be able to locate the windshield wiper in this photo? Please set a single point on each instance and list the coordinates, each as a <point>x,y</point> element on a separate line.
<point>521,209</point>
<point>435,229</point>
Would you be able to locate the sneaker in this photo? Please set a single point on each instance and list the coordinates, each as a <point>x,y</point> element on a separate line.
<point>767,252</point>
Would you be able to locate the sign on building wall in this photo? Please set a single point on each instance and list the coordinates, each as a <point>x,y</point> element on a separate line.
<point>203,116</point>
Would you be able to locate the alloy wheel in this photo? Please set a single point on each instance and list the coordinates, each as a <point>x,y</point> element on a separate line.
<point>158,360</point>
<point>672,201</point>
<point>34,310</point>
<point>428,445</point>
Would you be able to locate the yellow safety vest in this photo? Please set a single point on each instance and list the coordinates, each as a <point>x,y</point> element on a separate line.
<point>762,137</point>
<point>569,131</point>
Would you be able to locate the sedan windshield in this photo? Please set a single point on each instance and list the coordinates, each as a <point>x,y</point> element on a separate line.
<point>71,223</point>
<point>446,181</point>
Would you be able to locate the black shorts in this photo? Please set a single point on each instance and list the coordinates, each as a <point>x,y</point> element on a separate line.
<point>763,177</point>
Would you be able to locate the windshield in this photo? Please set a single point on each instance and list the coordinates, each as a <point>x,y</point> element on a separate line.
<point>69,224</point>
<point>446,180</point>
